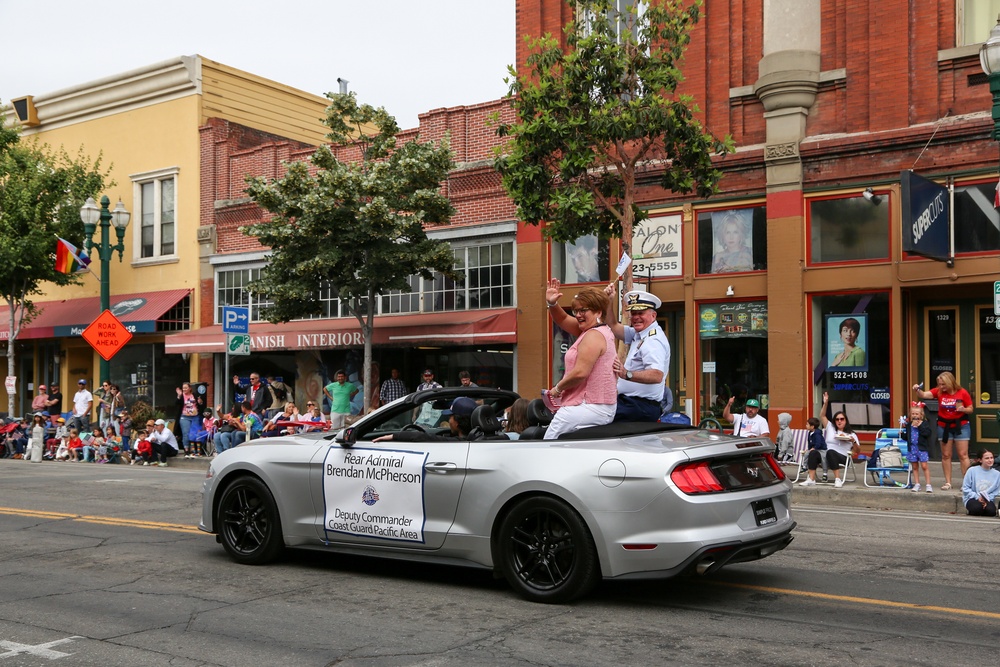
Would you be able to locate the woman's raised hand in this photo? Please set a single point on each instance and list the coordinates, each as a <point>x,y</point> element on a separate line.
<point>552,293</point>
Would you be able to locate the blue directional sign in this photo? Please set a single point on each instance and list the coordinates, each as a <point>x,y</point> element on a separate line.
<point>235,320</point>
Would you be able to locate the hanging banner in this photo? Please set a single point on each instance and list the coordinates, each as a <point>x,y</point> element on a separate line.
<point>926,216</point>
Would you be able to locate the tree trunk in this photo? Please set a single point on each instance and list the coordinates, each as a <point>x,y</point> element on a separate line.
<point>12,338</point>
<point>367,330</point>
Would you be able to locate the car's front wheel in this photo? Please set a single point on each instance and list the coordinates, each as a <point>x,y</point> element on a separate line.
<point>248,522</point>
<point>545,551</point>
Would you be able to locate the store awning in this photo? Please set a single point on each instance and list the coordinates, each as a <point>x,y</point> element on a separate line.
<point>56,319</point>
<point>467,327</point>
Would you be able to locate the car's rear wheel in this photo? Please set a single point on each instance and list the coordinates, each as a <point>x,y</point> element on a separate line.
<point>545,551</point>
<point>248,522</point>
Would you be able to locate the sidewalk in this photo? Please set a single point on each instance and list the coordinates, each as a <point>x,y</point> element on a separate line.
<point>856,494</point>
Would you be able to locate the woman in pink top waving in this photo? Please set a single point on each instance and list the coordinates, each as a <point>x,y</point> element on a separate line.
<point>588,392</point>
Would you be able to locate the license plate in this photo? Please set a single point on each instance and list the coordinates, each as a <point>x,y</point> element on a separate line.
<point>763,512</point>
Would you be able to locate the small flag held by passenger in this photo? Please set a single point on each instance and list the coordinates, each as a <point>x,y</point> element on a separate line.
<point>623,264</point>
<point>70,259</point>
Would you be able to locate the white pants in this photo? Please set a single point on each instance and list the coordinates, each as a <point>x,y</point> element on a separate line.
<point>337,420</point>
<point>572,417</point>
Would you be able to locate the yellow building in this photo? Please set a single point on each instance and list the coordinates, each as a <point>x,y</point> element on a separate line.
<point>147,124</point>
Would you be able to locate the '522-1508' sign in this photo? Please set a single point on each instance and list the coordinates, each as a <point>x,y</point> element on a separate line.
<point>656,247</point>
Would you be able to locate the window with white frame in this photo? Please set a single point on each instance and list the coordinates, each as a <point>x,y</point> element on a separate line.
<point>622,16</point>
<point>975,19</point>
<point>231,289</point>
<point>485,273</point>
<point>155,196</point>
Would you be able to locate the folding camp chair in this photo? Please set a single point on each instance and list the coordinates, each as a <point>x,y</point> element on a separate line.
<point>800,468</point>
<point>882,475</point>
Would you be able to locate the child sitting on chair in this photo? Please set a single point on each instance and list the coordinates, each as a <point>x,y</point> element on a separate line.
<point>815,443</point>
<point>917,434</point>
<point>785,442</point>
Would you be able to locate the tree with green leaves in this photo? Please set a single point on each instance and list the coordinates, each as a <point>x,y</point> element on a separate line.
<point>41,192</point>
<point>356,228</point>
<point>593,118</point>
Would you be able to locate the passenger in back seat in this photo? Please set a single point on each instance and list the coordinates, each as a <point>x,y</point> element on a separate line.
<point>517,418</point>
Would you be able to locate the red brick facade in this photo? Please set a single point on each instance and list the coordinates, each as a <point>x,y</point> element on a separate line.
<point>894,94</point>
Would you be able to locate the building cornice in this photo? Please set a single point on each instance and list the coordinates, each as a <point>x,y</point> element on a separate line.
<point>153,84</point>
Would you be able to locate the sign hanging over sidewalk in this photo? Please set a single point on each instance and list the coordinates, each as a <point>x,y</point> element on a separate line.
<point>107,335</point>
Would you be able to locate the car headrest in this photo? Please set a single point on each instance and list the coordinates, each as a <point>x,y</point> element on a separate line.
<point>538,414</point>
<point>485,419</point>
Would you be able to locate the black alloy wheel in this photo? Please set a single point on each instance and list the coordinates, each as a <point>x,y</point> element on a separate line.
<point>545,551</point>
<point>248,522</point>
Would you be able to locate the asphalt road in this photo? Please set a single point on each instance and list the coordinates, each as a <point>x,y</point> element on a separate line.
<point>103,565</point>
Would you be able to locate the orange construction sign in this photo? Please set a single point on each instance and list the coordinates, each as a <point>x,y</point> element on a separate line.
<point>107,335</point>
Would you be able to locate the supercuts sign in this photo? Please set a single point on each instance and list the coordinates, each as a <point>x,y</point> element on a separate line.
<point>926,216</point>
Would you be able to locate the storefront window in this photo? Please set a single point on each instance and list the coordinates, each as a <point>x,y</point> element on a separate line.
<point>732,240</point>
<point>977,223</point>
<point>146,373</point>
<point>988,344</point>
<point>851,356</point>
<point>733,356</point>
<point>587,260</point>
<point>848,229</point>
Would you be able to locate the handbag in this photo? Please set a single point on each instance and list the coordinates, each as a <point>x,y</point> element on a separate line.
<point>890,456</point>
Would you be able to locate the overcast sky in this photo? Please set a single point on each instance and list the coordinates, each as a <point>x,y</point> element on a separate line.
<point>409,56</point>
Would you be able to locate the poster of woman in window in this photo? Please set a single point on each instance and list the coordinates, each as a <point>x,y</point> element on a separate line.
<point>732,241</point>
<point>846,340</point>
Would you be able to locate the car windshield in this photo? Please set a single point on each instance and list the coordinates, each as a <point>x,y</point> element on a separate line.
<point>424,411</point>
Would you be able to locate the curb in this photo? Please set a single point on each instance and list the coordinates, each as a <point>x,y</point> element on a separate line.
<point>942,502</point>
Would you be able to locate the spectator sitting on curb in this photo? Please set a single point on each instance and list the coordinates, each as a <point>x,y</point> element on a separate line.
<point>981,486</point>
<point>163,441</point>
<point>143,453</point>
<point>74,446</point>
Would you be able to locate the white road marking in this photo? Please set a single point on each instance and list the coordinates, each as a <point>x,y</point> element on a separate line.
<point>40,650</point>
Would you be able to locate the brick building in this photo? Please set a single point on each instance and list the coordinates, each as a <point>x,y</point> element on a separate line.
<point>449,327</point>
<point>825,99</point>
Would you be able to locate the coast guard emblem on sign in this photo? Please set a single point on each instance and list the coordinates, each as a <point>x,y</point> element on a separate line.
<point>370,496</point>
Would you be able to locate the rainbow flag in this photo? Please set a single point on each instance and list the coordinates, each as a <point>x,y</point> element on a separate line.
<point>69,259</point>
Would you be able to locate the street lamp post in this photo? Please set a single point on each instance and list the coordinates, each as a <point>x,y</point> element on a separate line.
<point>90,215</point>
<point>989,58</point>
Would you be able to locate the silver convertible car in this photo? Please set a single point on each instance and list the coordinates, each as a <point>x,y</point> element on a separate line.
<point>553,517</point>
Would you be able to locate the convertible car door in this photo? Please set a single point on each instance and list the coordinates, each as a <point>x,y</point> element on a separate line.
<point>393,494</point>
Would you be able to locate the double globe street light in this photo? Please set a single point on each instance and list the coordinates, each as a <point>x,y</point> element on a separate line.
<point>119,217</point>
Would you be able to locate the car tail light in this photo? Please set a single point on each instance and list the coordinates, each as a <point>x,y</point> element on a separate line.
<point>771,461</point>
<point>695,477</point>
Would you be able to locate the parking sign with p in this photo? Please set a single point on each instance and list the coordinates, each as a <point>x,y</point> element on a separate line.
<point>235,320</point>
